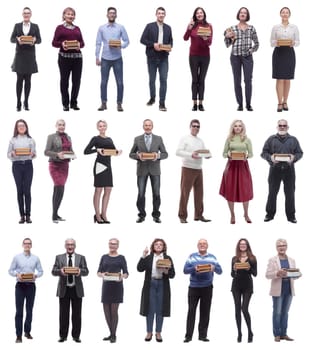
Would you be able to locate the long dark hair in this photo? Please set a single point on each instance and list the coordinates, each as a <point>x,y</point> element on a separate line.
<point>195,18</point>
<point>251,256</point>
<point>15,133</point>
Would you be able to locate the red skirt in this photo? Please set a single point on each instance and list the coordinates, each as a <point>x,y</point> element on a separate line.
<point>59,172</point>
<point>236,183</point>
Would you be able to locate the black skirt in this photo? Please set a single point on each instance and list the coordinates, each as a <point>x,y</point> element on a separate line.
<point>283,63</point>
<point>104,178</point>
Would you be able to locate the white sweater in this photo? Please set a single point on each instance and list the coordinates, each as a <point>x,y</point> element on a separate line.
<point>189,144</point>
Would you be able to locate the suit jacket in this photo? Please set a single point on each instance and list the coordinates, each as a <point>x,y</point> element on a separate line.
<point>150,37</point>
<point>25,56</point>
<point>273,267</point>
<point>54,146</point>
<point>60,262</point>
<point>148,167</point>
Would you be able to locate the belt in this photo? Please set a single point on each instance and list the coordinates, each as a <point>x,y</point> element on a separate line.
<point>157,278</point>
<point>22,161</point>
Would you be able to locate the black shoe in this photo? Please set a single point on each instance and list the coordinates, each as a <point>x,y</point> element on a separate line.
<point>28,220</point>
<point>151,101</point>
<point>140,219</point>
<point>268,218</point>
<point>120,108</point>
<point>107,338</point>
<point>159,339</point>
<point>162,108</point>
<point>183,221</point>
<point>103,106</point>
<point>203,219</point>
<point>200,107</point>
<point>195,107</point>
<point>66,108</point>
<point>61,340</point>
<point>239,338</point>
<point>26,107</point>
<point>187,340</point>
<point>157,220</point>
<point>292,220</point>
<point>75,107</point>
<point>285,108</point>
<point>250,338</point>
<point>148,338</point>
<point>105,221</point>
<point>203,339</point>
<point>249,108</point>
<point>96,221</point>
<point>240,108</point>
<point>22,220</point>
<point>113,339</point>
<point>77,340</point>
<point>28,336</point>
<point>18,340</point>
<point>59,218</point>
<point>18,109</point>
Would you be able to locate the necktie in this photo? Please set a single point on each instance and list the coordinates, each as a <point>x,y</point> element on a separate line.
<point>148,142</point>
<point>70,277</point>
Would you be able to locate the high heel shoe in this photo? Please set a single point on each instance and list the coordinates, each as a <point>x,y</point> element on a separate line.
<point>97,221</point>
<point>250,337</point>
<point>105,221</point>
<point>247,219</point>
<point>148,337</point>
<point>239,338</point>
<point>285,108</point>
<point>280,107</point>
<point>158,338</point>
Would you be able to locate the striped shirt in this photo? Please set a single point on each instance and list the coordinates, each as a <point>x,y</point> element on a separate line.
<point>243,40</point>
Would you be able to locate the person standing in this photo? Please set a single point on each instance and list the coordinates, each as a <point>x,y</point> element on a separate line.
<point>25,63</point>
<point>111,39</point>
<point>58,148</point>
<point>68,38</point>
<point>200,290</point>
<point>155,297</point>
<point>243,266</point>
<point>25,290</point>
<point>70,290</point>
<point>112,290</point>
<point>191,177</point>
<point>241,37</point>
<point>201,33</point>
<point>157,37</point>
<point>281,290</point>
<point>281,169</point>
<point>236,185</point>
<point>284,37</point>
<point>103,179</point>
<point>149,167</point>
<point>21,151</point>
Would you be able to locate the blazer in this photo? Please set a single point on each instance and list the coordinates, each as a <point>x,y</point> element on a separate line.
<point>60,262</point>
<point>25,56</point>
<point>150,37</point>
<point>276,282</point>
<point>148,167</point>
<point>54,146</point>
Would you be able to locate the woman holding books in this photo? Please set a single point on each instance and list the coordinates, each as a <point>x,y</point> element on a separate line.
<point>68,38</point>
<point>200,32</point>
<point>155,298</point>
<point>284,37</point>
<point>243,266</point>
<point>112,269</point>
<point>104,147</point>
<point>236,185</point>
<point>21,151</point>
<point>25,35</point>
<point>59,150</point>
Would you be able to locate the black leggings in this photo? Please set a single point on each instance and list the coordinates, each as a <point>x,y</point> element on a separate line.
<point>21,78</point>
<point>57,198</point>
<point>111,316</point>
<point>242,301</point>
<point>199,67</point>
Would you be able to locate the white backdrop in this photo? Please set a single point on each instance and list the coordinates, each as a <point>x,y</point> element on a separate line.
<point>220,105</point>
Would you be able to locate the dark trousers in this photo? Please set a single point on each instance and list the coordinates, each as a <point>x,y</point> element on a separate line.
<point>278,173</point>
<point>204,296</point>
<point>23,174</point>
<point>64,314</point>
<point>242,301</point>
<point>199,67</point>
<point>23,79</point>
<point>246,64</point>
<point>160,64</point>
<point>69,66</point>
<point>155,182</point>
<point>191,178</point>
<point>24,291</point>
<point>106,66</point>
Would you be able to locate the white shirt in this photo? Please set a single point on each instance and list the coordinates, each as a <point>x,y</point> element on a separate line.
<point>187,146</point>
<point>26,28</point>
<point>155,272</point>
<point>73,264</point>
<point>160,33</point>
<point>289,32</point>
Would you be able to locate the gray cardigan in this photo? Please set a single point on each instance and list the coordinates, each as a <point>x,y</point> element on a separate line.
<point>54,146</point>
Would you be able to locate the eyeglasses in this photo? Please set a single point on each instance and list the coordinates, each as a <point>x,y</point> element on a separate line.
<point>282,126</point>
<point>196,126</point>
<point>281,246</point>
<point>27,13</point>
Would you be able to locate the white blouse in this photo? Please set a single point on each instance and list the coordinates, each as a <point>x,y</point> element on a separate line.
<point>289,32</point>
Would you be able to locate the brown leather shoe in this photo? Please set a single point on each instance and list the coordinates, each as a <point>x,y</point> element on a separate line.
<point>103,107</point>
<point>183,221</point>
<point>277,338</point>
<point>203,219</point>
<point>28,336</point>
<point>286,337</point>
<point>18,340</point>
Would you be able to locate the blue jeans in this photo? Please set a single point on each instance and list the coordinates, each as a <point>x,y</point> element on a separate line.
<point>155,306</point>
<point>118,73</point>
<point>160,64</point>
<point>24,290</point>
<point>281,306</point>
<point>155,182</point>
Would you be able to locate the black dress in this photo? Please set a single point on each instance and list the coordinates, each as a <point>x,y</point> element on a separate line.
<point>242,279</point>
<point>112,291</point>
<point>103,178</point>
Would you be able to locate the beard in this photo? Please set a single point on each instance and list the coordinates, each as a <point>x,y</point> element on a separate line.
<point>282,132</point>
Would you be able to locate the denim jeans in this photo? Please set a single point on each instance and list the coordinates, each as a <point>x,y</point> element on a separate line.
<point>155,182</point>
<point>118,73</point>
<point>281,306</point>
<point>155,306</point>
<point>160,64</point>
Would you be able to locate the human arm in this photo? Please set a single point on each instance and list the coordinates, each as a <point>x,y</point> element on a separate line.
<point>267,152</point>
<point>142,264</point>
<point>83,266</point>
<point>134,150</point>
<point>13,38</point>
<point>249,148</point>
<point>189,28</point>
<point>124,268</point>
<point>38,268</point>
<point>273,270</point>
<point>255,40</point>
<point>253,267</point>
<point>229,36</point>
<point>189,266</point>
<point>57,269</point>
<point>91,147</point>
<point>273,37</point>
<point>298,153</point>
<point>99,42</point>
<point>80,39</point>
<point>162,153</point>
<point>296,40</point>
<point>124,37</point>
<point>57,42</point>
<point>226,151</point>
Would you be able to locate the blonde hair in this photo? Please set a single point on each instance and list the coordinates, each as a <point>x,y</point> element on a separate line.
<point>281,241</point>
<point>231,134</point>
<point>67,9</point>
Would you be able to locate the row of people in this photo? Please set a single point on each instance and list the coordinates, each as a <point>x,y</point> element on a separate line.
<point>157,37</point>
<point>158,267</point>
<point>281,151</point>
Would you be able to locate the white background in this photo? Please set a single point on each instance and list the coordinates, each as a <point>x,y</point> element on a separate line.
<point>48,238</point>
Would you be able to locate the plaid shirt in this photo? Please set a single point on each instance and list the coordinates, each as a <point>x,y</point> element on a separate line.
<point>242,44</point>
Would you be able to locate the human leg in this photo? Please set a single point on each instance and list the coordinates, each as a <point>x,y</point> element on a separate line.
<point>187,181</point>
<point>194,67</point>
<point>105,73</point>
<point>289,191</point>
<point>18,171</point>
<point>96,202</point>
<point>274,181</point>
<point>27,88</point>
<point>163,75</point>
<point>76,317</point>
<point>152,70</point>
<point>236,69</point>
<point>141,182</point>
<point>19,303</point>
<point>28,175</point>
<point>231,206</point>
<point>205,307</point>
<point>105,202</point>
<point>155,183</point>
<point>246,297</point>
<point>247,64</point>
<point>193,299</point>
<point>118,73</point>
<point>237,301</point>
<point>203,69</point>
<point>198,194</point>
<point>64,65</point>
<point>19,89</point>
<point>77,64</point>
<point>30,296</point>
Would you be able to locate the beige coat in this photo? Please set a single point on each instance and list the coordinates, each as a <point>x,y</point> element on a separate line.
<point>276,282</point>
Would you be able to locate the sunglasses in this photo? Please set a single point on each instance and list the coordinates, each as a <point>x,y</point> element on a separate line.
<point>196,126</point>
<point>282,126</point>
